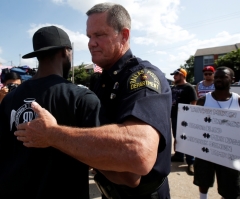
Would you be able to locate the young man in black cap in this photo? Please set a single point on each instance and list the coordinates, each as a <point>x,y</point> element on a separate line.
<point>45,173</point>
<point>182,92</point>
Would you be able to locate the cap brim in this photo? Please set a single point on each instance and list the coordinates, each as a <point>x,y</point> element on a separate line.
<point>208,70</point>
<point>37,52</point>
<point>172,73</point>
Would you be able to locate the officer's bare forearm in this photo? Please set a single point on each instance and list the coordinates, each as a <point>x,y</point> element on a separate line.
<point>128,147</point>
<point>122,178</point>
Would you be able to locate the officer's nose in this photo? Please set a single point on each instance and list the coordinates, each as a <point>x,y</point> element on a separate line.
<point>92,43</point>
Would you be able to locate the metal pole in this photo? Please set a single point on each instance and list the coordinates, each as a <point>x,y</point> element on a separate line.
<point>19,59</point>
<point>72,63</point>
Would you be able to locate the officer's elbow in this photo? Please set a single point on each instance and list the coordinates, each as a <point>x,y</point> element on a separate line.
<point>145,159</point>
<point>148,154</point>
<point>143,148</point>
<point>146,163</point>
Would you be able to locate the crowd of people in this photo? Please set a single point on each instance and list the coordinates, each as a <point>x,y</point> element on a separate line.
<point>11,81</point>
<point>213,91</point>
<point>52,131</point>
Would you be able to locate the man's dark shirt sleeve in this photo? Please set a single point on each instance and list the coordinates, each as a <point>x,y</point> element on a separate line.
<point>192,94</point>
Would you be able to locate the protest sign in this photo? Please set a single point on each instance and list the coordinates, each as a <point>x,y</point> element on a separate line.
<point>211,134</point>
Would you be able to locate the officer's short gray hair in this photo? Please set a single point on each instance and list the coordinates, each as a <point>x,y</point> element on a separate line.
<point>117,16</point>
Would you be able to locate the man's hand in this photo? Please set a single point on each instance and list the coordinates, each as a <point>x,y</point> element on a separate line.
<point>33,133</point>
<point>4,90</point>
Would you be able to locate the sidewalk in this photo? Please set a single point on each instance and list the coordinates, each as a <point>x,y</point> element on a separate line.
<point>181,185</point>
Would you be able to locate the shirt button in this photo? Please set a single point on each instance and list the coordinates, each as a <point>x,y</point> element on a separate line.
<point>112,96</point>
<point>115,72</point>
<point>116,85</point>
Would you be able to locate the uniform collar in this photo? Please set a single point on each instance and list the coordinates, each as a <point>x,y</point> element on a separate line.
<point>119,65</point>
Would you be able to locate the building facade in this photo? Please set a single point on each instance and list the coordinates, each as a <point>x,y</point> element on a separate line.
<point>207,56</point>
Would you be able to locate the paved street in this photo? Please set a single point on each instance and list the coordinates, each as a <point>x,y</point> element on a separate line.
<point>181,186</point>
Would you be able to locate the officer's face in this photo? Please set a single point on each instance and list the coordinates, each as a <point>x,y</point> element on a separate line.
<point>105,44</point>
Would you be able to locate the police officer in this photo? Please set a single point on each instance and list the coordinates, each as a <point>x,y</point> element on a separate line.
<point>132,150</point>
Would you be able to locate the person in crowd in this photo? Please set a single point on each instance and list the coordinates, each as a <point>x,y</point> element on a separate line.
<point>131,150</point>
<point>228,180</point>
<point>45,173</point>
<point>11,81</point>
<point>207,84</point>
<point>182,92</point>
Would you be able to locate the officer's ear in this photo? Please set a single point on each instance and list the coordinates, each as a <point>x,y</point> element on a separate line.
<point>125,35</point>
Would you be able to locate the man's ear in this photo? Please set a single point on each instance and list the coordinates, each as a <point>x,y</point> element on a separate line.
<point>64,52</point>
<point>125,35</point>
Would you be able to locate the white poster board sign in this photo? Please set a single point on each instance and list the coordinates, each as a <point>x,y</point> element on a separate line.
<point>211,134</point>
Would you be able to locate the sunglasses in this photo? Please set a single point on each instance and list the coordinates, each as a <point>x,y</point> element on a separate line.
<point>209,74</point>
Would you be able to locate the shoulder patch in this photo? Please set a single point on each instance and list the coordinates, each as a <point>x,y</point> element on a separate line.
<point>142,79</point>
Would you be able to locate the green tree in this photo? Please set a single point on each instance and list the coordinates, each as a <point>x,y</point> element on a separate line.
<point>231,60</point>
<point>81,76</point>
<point>189,67</point>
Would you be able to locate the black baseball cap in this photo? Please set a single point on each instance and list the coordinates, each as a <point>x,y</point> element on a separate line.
<point>181,71</point>
<point>48,38</point>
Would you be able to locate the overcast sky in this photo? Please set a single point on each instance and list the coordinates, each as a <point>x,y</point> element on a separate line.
<point>165,32</point>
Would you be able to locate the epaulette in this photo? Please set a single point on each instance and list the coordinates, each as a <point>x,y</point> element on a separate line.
<point>132,62</point>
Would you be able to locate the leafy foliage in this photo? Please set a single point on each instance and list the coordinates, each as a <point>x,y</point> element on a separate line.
<point>231,60</point>
<point>81,76</point>
<point>189,67</point>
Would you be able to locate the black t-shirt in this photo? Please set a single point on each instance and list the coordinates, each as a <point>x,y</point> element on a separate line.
<point>44,172</point>
<point>133,87</point>
<point>184,94</point>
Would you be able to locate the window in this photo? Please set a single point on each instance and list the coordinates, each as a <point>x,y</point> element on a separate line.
<point>208,60</point>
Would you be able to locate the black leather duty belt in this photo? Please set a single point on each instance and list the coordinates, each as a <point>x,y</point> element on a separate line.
<point>113,191</point>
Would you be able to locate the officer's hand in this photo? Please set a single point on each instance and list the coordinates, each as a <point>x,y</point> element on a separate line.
<point>37,132</point>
